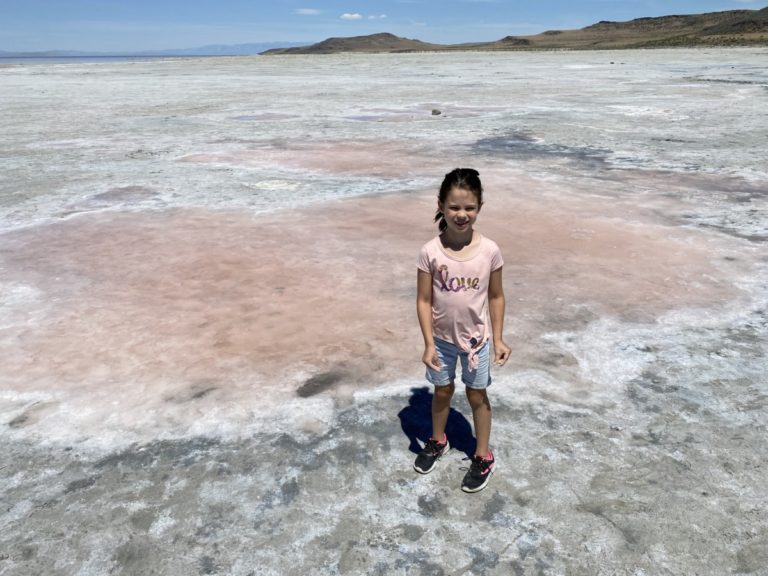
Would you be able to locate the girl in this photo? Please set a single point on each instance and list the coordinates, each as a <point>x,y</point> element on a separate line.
<point>459,282</point>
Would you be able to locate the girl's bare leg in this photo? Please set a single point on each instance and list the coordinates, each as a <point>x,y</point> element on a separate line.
<point>441,407</point>
<point>481,415</point>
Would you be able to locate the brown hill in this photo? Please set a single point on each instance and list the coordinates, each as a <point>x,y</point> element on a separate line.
<point>743,27</point>
<point>728,28</point>
<point>383,42</point>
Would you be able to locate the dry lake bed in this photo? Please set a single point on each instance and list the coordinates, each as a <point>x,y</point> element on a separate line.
<point>209,356</point>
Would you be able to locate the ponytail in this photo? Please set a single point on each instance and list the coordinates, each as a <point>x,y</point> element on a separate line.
<point>440,219</point>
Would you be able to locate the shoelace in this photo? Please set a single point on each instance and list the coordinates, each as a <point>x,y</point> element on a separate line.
<point>478,464</point>
<point>433,446</point>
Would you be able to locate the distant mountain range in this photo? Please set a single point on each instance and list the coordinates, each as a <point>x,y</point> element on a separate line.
<point>210,50</point>
<point>730,28</point>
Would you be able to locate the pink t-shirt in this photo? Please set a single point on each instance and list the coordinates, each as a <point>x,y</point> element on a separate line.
<point>460,291</point>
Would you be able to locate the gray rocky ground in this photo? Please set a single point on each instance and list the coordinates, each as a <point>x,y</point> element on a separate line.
<point>666,478</point>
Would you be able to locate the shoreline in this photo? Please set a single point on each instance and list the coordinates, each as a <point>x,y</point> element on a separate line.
<point>15,61</point>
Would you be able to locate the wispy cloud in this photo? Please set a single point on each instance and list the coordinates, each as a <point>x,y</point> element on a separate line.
<point>358,16</point>
<point>307,11</point>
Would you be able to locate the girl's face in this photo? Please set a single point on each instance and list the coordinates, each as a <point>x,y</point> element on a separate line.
<point>460,210</point>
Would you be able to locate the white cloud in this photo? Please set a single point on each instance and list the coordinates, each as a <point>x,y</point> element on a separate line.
<point>307,11</point>
<point>358,16</point>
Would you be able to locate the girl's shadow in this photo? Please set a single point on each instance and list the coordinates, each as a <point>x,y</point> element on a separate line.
<point>416,422</point>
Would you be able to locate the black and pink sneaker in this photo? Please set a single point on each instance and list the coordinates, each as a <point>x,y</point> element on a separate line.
<point>479,473</point>
<point>431,453</point>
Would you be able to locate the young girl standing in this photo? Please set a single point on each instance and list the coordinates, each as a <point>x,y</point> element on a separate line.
<point>459,283</point>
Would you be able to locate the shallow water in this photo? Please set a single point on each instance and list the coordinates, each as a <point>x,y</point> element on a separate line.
<point>207,267</point>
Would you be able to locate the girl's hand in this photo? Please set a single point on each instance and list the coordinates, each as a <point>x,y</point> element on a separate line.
<point>501,353</point>
<point>430,358</point>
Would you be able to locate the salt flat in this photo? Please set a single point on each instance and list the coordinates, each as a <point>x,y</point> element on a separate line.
<point>209,358</point>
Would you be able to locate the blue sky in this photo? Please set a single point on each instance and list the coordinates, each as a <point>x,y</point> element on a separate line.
<point>126,25</point>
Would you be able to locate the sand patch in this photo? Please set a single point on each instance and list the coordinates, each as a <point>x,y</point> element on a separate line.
<point>196,294</point>
<point>175,317</point>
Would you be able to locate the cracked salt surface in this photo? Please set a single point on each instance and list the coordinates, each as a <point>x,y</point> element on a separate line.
<point>208,349</point>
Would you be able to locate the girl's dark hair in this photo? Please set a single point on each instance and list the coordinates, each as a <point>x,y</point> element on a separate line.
<point>465,178</point>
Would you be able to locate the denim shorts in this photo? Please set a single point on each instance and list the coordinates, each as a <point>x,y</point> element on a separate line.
<point>448,353</point>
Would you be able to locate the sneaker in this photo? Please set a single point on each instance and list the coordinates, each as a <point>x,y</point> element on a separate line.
<point>479,473</point>
<point>428,457</point>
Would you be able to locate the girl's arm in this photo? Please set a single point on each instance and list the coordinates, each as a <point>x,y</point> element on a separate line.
<point>424,312</point>
<point>496,305</point>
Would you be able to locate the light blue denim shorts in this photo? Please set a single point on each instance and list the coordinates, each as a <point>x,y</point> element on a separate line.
<point>448,353</point>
